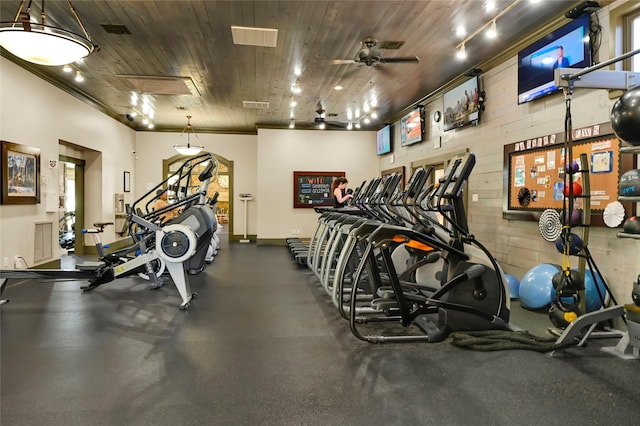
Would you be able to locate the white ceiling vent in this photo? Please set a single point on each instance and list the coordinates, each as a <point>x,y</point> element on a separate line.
<point>255,104</point>
<point>162,85</point>
<point>249,36</point>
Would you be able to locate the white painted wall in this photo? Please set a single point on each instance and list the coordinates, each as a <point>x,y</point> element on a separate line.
<point>153,147</point>
<point>37,114</point>
<point>281,152</point>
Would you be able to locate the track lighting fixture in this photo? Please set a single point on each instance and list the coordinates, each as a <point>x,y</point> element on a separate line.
<point>490,26</point>
<point>79,77</point>
<point>462,52</point>
<point>492,33</point>
<point>295,88</point>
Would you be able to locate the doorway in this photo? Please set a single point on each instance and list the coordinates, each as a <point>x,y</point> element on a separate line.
<point>71,215</point>
<point>223,185</point>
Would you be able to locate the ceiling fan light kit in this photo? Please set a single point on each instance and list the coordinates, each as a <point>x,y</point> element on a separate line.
<point>44,44</point>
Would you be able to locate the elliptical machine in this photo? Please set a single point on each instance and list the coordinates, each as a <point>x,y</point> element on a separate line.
<point>472,294</point>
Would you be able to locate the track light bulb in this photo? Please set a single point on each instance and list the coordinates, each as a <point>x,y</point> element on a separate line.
<point>492,33</point>
<point>462,52</point>
<point>79,77</point>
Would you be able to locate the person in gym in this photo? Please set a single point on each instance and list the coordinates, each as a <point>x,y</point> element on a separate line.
<point>339,190</point>
<point>161,203</point>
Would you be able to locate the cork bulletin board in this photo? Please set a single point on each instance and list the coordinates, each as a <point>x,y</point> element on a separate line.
<point>534,171</point>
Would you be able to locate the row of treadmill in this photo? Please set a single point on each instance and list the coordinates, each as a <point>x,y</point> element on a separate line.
<point>400,264</point>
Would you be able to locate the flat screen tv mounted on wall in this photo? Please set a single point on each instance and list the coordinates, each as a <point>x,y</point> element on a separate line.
<point>462,105</point>
<point>411,128</point>
<point>383,139</point>
<point>566,47</point>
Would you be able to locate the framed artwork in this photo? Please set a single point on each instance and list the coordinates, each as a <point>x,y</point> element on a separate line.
<point>20,168</point>
<point>127,182</point>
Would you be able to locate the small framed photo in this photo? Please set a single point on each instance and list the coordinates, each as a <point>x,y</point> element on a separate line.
<point>127,182</point>
<point>602,162</point>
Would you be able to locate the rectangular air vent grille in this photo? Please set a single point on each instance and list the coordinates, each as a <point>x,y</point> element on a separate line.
<point>255,104</point>
<point>162,85</point>
<point>390,44</point>
<point>43,241</point>
<point>249,36</point>
<point>115,28</point>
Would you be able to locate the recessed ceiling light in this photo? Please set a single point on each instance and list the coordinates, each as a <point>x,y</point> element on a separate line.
<point>338,87</point>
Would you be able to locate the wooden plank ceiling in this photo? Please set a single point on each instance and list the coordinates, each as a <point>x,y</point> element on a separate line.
<point>192,40</point>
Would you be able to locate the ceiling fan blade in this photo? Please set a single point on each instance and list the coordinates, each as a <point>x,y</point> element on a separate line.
<point>406,59</point>
<point>343,61</point>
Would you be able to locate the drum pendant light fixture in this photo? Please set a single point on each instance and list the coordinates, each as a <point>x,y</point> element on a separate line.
<point>188,149</point>
<point>44,44</point>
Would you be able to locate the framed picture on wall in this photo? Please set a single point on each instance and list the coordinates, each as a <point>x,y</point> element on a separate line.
<point>127,182</point>
<point>20,168</point>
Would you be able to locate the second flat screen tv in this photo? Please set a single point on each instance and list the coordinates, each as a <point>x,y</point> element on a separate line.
<point>411,128</point>
<point>383,139</point>
<point>566,47</point>
<point>462,105</point>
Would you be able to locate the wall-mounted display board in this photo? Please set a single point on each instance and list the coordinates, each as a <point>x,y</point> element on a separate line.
<point>534,172</point>
<point>313,189</point>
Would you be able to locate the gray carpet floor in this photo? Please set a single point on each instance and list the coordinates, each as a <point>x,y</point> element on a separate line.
<point>262,344</point>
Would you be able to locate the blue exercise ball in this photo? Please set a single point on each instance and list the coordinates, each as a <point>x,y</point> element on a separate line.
<point>593,302</point>
<point>536,289</point>
<point>514,286</point>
